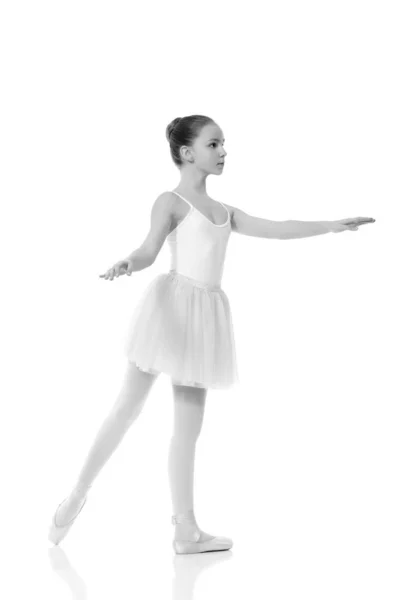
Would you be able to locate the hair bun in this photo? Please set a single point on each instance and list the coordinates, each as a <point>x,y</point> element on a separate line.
<point>172,125</point>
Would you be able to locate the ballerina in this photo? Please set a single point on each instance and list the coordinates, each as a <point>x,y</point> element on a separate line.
<point>182,326</point>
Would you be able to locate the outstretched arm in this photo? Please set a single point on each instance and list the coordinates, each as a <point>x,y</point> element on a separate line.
<point>287,230</point>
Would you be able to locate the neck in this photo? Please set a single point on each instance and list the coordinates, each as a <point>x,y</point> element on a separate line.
<point>193,181</point>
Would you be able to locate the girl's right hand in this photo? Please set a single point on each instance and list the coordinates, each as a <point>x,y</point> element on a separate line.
<point>122,267</point>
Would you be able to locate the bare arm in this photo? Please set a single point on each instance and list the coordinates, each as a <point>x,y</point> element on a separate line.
<point>299,229</point>
<point>287,230</point>
<point>145,255</point>
<point>160,225</point>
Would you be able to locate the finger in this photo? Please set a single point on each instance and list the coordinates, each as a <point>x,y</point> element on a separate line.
<point>357,221</point>
<point>363,220</point>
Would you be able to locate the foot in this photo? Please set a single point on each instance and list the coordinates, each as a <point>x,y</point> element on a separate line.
<point>190,539</point>
<point>65,515</point>
<point>196,540</point>
<point>191,533</point>
<point>69,509</point>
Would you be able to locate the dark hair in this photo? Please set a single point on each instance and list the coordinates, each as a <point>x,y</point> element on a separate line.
<point>182,131</point>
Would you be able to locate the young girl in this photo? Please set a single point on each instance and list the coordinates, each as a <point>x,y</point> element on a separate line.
<point>183,325</point>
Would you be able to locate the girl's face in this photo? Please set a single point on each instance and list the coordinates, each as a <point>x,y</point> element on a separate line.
<point>208,150</point>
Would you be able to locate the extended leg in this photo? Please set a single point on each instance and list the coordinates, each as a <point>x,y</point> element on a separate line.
<point>129,403</point>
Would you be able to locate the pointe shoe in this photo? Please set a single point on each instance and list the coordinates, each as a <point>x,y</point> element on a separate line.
<point>193,546</point>
<point>58,532</point>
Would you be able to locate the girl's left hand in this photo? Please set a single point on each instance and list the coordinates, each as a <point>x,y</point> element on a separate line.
<point>351,224</point>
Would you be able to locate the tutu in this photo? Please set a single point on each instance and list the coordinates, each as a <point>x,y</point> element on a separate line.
<point>182,324</point>
<point>184,328</point>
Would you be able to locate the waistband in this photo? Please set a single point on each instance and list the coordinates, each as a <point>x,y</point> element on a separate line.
<point>196,282</point>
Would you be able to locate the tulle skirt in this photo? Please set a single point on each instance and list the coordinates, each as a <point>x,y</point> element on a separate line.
<point>184,328</point>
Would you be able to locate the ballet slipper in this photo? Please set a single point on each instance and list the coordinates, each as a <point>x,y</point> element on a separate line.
<point>193,546</point>
<point>58,532</point>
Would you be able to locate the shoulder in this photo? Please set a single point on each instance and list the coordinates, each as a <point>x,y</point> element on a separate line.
<point>166,199</point>
<point>165,203</point>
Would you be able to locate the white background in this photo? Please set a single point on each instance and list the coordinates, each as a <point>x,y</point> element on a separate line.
<point>299,465</point>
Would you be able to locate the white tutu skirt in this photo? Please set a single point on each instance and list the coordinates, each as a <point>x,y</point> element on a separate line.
<point>184,328</point>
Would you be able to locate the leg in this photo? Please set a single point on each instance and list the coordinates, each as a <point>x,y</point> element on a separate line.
<point>135,389</point>
<point>189,404</point>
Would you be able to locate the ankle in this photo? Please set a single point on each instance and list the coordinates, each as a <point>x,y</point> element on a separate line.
<point>80,489</point>
<point>184,518</point>
<point>185,525</point>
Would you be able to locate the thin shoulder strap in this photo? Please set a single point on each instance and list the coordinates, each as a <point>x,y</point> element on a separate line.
<point>182,198</point>
<point>229,214</point>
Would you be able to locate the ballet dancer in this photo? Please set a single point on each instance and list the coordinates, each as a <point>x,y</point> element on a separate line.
<point>182,325</point>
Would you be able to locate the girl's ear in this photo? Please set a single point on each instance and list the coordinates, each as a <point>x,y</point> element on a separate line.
<point>186,153</point>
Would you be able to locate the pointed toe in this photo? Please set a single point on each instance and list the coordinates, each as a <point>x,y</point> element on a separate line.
<point>57,533</point>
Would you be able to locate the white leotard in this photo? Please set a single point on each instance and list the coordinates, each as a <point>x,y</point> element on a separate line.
<point>198,246</point>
